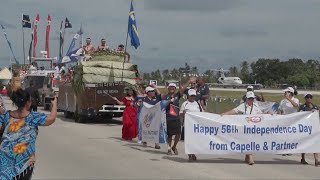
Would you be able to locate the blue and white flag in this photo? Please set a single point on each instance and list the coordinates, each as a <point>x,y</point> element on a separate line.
<point>9,43</point>
<point>268,107</point>
<point>73,56</point>
<point>72,46</point>
<point>132,28</point>
<point>152,123</point>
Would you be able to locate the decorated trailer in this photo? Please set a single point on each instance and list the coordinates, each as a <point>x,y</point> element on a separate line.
<point>95,81</point>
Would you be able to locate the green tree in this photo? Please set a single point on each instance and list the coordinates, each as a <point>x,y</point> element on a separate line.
<point>245,72</point>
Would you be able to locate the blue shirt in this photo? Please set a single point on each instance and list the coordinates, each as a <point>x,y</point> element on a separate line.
<point>17,148</point>
<point>152,101</point>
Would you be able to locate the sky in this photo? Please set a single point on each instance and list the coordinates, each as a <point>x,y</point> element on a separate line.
<point>209,34</point>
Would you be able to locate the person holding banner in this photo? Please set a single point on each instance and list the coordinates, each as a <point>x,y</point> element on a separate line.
<point>191,105</point>
<point>152,98</point>
<point>172,116</point>
<point>249,107</point>
<point>129,128</point>
<point>309,106</point>
<point>138,103</point>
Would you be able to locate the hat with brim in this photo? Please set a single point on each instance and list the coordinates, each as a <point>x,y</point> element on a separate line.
<point>289,89</point>
<point>250,94</point>
<point>192,92</point>
<point>148,89</point>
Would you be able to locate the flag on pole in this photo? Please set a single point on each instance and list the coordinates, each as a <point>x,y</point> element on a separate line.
<point>67,24</point>
<point>9,43</point>
<point>48,36</point>
<point>61,42</point>
<point>132,28</point>
<point>26,23</point>
<point>35,35</point>
<point>30,47</point>
<point>73,44</point>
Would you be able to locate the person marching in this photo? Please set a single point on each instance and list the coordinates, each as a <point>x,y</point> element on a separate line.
<point>138,103</point>
<point>35,97</point>
<point>129,128</point>
<point>289,105</point>
<point>152,98</point>
<point>258,98</point>
<point>248,108</point>
<point>309,106</point>
<point>172,116</point>
<point>191,105</point>
<point>204,91</point>
<point>18,143</point>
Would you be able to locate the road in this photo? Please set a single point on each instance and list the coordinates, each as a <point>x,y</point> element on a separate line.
<point>67,150</point>
<point>274,91</point>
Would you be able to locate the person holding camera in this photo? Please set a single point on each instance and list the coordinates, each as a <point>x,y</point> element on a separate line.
<point>18,142</point>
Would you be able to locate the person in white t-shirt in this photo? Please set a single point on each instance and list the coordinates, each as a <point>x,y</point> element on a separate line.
<point>289,104</point>
<point>191,105</point>
<point>249,107</point>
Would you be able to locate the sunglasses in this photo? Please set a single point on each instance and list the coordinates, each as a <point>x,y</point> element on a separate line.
<point>151,91</point>
<point>250,99</point>
<point>308,97</point>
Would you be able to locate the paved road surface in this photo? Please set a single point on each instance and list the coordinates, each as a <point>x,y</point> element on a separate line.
<point>67,150</point>
<point>276,91</point>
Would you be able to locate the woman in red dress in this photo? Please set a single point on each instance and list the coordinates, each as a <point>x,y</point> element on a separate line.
<point>129,128</point>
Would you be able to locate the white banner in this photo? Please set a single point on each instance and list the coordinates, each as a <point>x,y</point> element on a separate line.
<point>207,133</point>
<point>152,123</point>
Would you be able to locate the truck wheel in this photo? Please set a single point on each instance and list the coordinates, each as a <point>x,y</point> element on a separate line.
<point>66,114</point>
<point>82,119</point>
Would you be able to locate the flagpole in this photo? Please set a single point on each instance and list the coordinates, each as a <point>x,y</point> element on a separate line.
<point>125,50</point>
<point>64,32</point>
<point>24,51</point>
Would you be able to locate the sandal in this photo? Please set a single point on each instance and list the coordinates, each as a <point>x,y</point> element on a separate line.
<point>250,160</point>
<point>144,144</point>
<point>175,151</point>
<point>316,163</point>
<point>303,161</point>
<point>169,152</point>
<point>246,159</point>
<point>190,157</point>
<point>194,157</point>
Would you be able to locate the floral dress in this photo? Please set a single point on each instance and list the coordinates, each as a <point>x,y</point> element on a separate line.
<point>17,148</point>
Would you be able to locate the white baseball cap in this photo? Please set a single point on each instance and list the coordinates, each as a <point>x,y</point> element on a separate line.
<point>250,94</point>
<point>172,85</point>
<point>306,94</point>
<point>250,87</point>
<point>192,92</point>
<point>289,89</point>
<point>148,89</point>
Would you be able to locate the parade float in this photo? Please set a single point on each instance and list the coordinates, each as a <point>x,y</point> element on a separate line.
<point>96,79</point>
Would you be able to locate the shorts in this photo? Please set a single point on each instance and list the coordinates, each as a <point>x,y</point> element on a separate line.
<point>173,127</point>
